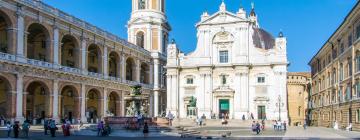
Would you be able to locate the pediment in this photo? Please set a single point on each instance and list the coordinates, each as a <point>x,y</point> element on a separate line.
<point>222,89</point>
<point>261,98</point>
<point>221,18</point>
<point>138,20</point>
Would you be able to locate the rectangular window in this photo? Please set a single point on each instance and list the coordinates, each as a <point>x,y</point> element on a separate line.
<point>342,48</point>
<point>357,88</point>
<point>358,63</point>
<point>261,79</point>
<point>189,81</point>
<point>224,56</point>
<point>223,79</point>
<point>357,115</point>
<point>358,31</point>
<point>350,66</point>
<point>350,40</point>
<point>341,72</point>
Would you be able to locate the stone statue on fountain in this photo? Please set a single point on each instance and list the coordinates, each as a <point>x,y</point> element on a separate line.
<point>135,100</point>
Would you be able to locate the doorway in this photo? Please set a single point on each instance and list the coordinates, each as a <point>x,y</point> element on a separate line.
<point>224,108</point>
<point>261,113</point>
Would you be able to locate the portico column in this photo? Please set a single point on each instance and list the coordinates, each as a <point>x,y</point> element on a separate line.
<point>20,36</point>
<point>19,98</point>
<point>156,103</point>
<point>105,62</point>
<point>137,69</point>
<point>123,66</point>
<point>83,55</point>
<point>149,38</point>
<point>105,103</point>
<point>56,101</point>
<point>56,47</point>
<point>83,99</point>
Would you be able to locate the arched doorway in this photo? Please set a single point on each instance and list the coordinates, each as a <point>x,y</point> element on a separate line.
<point>140,41</point>
<point>145,73</point>
<point>4,34</point>
<point>94,59</point>
<point>5,99</point>
<point>130,67</point>
<point>37,102</point>
<point>113,104</point>
<point>38,43</point>
<point>114,65</point>
<point>70,104</point>
<point>70,52</point>
<point>93,105</point>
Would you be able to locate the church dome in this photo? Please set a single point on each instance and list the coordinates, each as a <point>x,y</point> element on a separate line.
<point>262,39</point>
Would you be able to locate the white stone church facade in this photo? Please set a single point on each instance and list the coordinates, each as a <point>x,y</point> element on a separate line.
<point>237,69</point>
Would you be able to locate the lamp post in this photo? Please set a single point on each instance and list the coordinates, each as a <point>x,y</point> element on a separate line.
<point>279,104</point>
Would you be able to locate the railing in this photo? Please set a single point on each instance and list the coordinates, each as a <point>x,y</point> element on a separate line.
<point>80,23</point>
<point>70,70</point>
<point>115,79</point>
<point>8,57</point>
<point>96,75</point>
<point>39,63</point>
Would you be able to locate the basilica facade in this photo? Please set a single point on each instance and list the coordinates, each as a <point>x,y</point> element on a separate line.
<point>54,65</point>
<point>238,70</point>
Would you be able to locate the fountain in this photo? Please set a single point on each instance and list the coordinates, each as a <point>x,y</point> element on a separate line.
<point>135,101</point>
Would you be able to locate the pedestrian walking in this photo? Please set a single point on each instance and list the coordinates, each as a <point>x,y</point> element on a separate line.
<point>284,125</point>
<point>46,126</point>
<point>275,125</point>
<point>263,125</point>
<point>146,130</point>
<point>100,128</point>
<point>8,129</point>
<point>53,128</point>
<point>253,126</point>
<point>304,125</point>
<point>278,125</point>
<point>16,128</point>
<point>170,118</point>
<point>25,129</point>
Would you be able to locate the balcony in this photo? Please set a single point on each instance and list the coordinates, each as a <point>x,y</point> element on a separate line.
<point>96,75</point>
<point>7,57</point>
<point>70,70</point>
<point>115,79</point>
<point>39,63</point>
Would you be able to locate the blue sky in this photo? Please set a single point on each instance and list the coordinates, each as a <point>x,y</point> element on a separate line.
<point>306,23</point>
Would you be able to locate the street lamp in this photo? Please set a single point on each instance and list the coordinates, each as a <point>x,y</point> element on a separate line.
<point>279,104</point>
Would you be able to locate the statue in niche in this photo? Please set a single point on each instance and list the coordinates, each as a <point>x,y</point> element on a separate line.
<point>141,4</point>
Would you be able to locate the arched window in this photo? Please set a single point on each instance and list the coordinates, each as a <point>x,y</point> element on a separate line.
<point>140,39</point>
<point>141,4</point>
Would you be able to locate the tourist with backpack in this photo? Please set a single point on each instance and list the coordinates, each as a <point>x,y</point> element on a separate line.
<point>8,129</point>
<point>25,129</point>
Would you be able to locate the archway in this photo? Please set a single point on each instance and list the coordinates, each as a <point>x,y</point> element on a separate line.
<point>130,67</point>
<point>37,102</point>
<point>4,34</point>
<point>145,73</point>
<point>113,104</point>
<point>114,65</point>
<point>5,99</point>
<point>140,41</point>
<point>70,52</point>
<point>38,43</point>
<point>93,105</point>
<point>70,104</point>
<point>94,59</point>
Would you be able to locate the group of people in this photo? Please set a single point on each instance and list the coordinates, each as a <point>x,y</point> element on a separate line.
<point>15,128</point>
<point>201,120</point>
<point>348,128</point>
<point>279,126</point>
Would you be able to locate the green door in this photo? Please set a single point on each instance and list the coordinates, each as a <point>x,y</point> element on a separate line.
<point>224,107</point>
<point>261,113</point>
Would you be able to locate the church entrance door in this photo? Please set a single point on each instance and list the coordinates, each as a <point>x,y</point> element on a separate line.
<point>224,108</point>
<point>261,113</point>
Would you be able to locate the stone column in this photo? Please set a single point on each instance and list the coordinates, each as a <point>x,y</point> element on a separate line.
<point>105,103</point>
<point>148,43</point>
<point>161,38</point>
<point>83,105</point>
<point>20,57</point>
<point>137,69</point>
<point>123,66</point>
<point>156,103</point>
<point>151,74</point>
<point>56,101</point>
<point>156,74</point>
<point>83,55</point>
<point>105,63</point>
<point>19,98</point>
<point>56,47</point>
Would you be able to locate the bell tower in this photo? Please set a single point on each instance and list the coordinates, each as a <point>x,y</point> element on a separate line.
<point>148,26</point>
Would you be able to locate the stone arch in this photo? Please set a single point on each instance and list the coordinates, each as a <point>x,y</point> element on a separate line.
<point>5,34</point>
<point>6,98</point>
<point>223,37</point>
<point>140,39</point>
<point>114,65</point>
<point>94,58</point>
<point>93,105</point>
<point>113,103</point>
<point>70,51</point>
<point>130,69</point>
<point>37,101</point>
<point>145,73</point>
<point>69,103</point>
<point>38,43</point>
